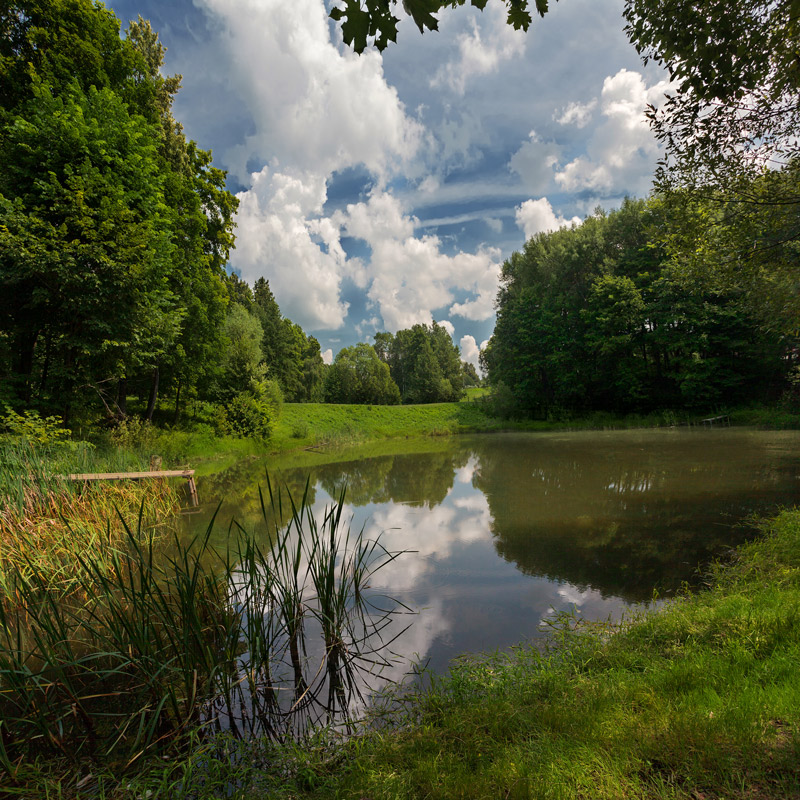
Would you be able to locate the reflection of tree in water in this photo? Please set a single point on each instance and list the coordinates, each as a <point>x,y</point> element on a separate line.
<point>235,492</point>
<point>365,479</point>
<point>626,517</point>
<point>417,479</point>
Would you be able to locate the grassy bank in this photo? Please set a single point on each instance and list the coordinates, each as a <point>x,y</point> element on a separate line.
<point>303,426</point>
<point>698,700</point>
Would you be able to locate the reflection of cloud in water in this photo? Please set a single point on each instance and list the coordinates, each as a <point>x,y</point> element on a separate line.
<point>574,596</point>
<point>465,473</point>
<point>433,534</point>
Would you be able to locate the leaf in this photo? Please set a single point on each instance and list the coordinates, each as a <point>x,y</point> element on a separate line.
<point>421,12</point>
<point>356,26</point>
<point>519,18</point>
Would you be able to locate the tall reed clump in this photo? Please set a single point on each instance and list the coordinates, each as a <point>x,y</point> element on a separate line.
<point>160,645</point>
<point>47,522</point>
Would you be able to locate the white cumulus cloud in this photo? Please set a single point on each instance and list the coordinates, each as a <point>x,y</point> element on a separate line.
<point>470,350</point>
<point>535,162</point>
<point>409,276</point>
<point>537,216</point>
<point>622,150</point>
<point>277,236</point>
<point>577,114</point>
<point>312,103</point>
<point>489,42</point>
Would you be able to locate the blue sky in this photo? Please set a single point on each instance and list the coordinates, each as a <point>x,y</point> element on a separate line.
<point>377,191</point>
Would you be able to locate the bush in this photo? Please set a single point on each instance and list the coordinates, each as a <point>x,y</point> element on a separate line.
<point>251,414</point>
<point>132,433</point>
<point>36,429</point>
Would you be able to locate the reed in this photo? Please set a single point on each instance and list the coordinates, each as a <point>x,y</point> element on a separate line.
<point>47,523</point>
<point>152,645</point>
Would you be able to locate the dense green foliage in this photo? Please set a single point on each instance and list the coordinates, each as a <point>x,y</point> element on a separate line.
<point>289,355</point>
<point>114,230</point>
<point>598,317</point>
<point>424,363</point>
<point>357,375</point>
<point>729,128</point>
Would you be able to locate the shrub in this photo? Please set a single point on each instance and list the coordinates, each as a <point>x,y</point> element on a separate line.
<point>36,429</point>
<point>252,414</point>
<point>132,433</point>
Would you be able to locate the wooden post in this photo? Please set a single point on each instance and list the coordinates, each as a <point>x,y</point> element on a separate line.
<point>193,491</point>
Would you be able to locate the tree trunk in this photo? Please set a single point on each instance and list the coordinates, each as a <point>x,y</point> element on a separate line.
<point>177,413</point>
<point>122,397</point>
<point>151,403</point>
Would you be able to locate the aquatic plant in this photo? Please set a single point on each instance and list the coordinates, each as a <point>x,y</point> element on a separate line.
<point>152,644</point>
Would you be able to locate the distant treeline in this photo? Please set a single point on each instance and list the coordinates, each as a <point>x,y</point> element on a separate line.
<point>608,316</point>
<point>416,365</point>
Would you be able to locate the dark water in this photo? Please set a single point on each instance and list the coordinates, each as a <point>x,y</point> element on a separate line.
<point>509,529</point>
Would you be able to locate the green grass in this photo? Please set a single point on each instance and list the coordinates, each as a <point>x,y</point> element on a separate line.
<point>315,424</point>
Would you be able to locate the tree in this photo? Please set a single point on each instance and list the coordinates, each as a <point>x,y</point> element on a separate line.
<point>375,20</point>
<point>730,136</point>
<point>242,358</point>
<point>736,110</point>
<point>600,318</point>
<point>424,362</point>
<point>85,245</point>
<point>114,230</point>
<point>357,375</point>
<point>470,374</point>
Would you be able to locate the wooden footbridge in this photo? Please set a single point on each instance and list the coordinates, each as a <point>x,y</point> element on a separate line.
<point>188,474</point>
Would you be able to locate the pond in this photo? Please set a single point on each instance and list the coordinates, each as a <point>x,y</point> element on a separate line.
<point>507,530</point>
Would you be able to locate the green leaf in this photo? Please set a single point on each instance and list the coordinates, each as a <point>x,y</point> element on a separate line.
<point>519,18</point>
<point>421,12</point>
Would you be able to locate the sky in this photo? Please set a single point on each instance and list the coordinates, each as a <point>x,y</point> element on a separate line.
<point>383,190</point>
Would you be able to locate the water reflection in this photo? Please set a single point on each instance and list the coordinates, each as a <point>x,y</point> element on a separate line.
<point>508,529</point>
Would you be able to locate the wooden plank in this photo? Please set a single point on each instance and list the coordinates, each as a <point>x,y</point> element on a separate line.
<point>121,476</point>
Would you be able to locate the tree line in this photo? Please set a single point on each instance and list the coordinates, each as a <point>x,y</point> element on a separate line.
<point>415,365</point>
<point>612,315</point>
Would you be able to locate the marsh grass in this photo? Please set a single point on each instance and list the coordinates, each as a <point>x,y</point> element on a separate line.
<point>151,647</point>
<point>47,523</point>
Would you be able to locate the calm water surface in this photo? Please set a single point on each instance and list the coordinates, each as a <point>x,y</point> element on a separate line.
<point>509,529</point>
